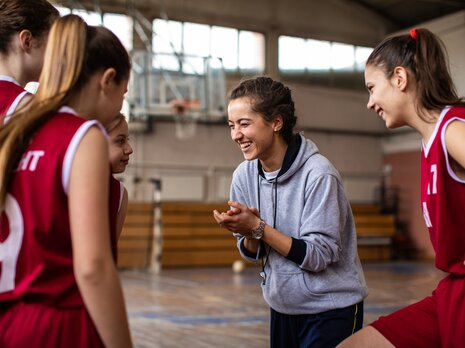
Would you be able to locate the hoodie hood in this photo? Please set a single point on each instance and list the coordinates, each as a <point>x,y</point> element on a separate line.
<point>298,152</point>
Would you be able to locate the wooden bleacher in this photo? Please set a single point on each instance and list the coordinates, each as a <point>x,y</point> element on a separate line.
<point>135,243</point>
<point>375,232</point>
<point>192,238</point>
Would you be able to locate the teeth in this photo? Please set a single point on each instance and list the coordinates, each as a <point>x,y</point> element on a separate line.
<point>244,145</point>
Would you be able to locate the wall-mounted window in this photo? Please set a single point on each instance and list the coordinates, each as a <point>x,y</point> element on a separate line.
<point>119,24</point>
<point>239,50</point>
<point>307,55</point>
<point>361,56</point>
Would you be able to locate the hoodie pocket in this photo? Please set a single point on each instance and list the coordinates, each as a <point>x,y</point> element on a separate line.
<point>296,292</point>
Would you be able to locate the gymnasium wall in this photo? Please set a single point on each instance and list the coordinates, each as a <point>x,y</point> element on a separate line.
<point>405,176</point>
<point>333,20</point>
<point>336,119</point>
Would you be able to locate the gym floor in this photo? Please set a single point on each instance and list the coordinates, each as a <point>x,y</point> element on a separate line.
<point>215,307</point>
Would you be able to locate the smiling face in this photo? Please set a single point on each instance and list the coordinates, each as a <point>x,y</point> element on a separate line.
<point>256,137</point>
<point>387,96</point>
<point>120,149</point>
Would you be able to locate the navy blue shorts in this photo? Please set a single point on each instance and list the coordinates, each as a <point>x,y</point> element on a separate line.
<point>322,330</point>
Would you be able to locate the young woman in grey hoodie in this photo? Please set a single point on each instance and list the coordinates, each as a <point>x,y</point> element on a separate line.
<point>289,210</point>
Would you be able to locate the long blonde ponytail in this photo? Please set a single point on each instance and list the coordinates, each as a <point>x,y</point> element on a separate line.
<point>62,65</point>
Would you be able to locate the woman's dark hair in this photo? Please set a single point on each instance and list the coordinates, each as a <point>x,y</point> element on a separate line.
<point>37,16</point>
<point>424,56</point>
<point>269,98</point>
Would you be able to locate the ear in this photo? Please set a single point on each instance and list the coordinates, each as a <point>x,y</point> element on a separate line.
<point>400,78</point>
<point>25,40</point>
<point>278,123</point>
<point>107,79</point>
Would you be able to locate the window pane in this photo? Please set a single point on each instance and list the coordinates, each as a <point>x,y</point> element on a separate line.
<point>224,46</point>
<point>193,65</point>
<point>290,53</point>
<point>196,44</point>
<point>242,49</point>
<point>251,51</point>
<point>318,55</point>
<point>167,36</point>
<point>121,25</point>
<point>63,10</point>
<point>166,61</point>
<point>90,17</point>
<point>342,56</point>
<point>196,39</point>
<point>361,56</point>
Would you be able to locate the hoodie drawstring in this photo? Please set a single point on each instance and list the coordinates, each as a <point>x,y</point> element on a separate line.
<point>265,259</point>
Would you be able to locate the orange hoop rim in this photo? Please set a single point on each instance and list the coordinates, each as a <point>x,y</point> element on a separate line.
<point>181,105</point>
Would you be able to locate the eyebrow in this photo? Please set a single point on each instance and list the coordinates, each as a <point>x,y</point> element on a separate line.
<point>241,119</point>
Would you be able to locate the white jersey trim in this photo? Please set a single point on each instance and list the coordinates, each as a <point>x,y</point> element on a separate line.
<point>9,79</point>
<point>14,105</point>
<point>73,145</point>
<point>444,148</point>
<point>427,147</point>
<point>68,110</point>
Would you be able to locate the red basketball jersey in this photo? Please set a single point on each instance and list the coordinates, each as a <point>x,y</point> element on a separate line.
<point>11,94</point>
<point>116,197</point>
<point>36,258</point>
<point>443,197</point>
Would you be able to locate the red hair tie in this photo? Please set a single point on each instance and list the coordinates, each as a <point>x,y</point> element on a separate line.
<point>413,34</point>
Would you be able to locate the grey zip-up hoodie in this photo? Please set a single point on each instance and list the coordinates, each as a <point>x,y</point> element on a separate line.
<point>306,202</point>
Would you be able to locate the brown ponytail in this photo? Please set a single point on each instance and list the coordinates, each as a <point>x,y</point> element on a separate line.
<point>425,57</point>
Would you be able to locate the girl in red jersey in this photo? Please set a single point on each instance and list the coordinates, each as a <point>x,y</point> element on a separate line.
<point>120,151</point>
<point>59,286</point>
<point>409,83</point>
<point>24,27</point>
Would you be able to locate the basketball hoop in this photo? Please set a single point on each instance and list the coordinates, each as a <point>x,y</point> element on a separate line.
<point>185,117</point>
